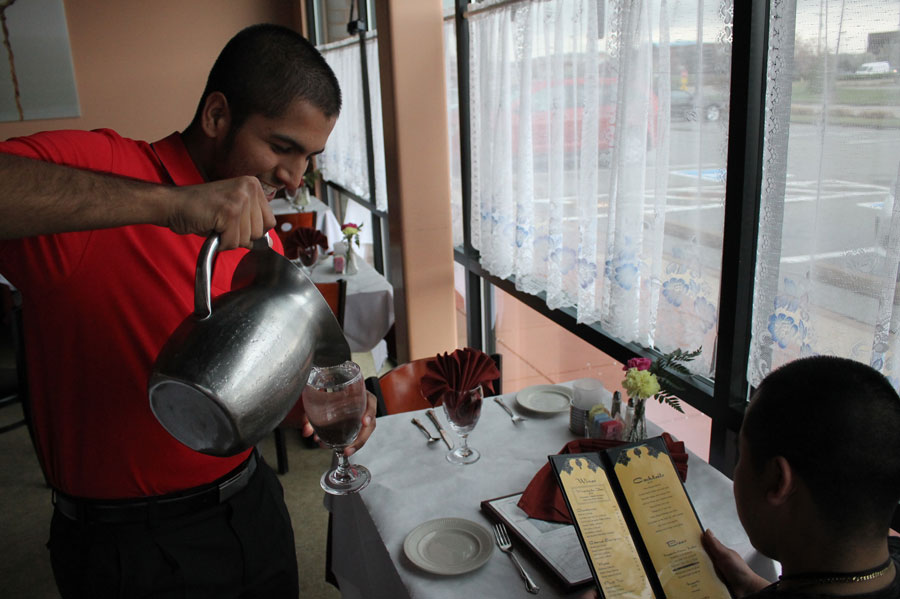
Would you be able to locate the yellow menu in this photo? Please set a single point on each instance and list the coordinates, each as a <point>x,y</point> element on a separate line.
<point>636,524</point>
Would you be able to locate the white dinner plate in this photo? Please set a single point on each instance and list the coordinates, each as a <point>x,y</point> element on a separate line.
<point>545,399</point>
<point>449,546</point>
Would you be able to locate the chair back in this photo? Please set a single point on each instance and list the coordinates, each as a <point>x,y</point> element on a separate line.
<point>335,293</point>
<point>286,223</point>
<point>400,390</point>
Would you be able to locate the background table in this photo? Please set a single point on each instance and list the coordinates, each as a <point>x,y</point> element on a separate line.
<point>369,311</point>
<point>412,483</point>
<point>326,221</point>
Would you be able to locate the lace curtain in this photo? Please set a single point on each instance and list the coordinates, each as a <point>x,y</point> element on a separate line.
<point>829,240</point>
<point>598,157</point>
<point>344,159</point>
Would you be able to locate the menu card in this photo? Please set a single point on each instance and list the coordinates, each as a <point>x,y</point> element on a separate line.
<point>636,523</point>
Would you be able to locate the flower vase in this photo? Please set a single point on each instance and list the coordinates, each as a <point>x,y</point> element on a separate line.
<point>637,427</point>
<point>300,199</point>
<point>351,267</point>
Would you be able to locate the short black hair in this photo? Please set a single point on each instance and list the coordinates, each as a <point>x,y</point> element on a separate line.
<point>264,68</point>
<point>837,422</point>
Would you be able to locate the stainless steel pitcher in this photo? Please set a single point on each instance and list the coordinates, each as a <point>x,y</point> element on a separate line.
<point>233,369</point>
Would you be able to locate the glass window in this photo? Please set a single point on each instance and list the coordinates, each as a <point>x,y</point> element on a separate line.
<point>599,142</point>
<point>829,240</point>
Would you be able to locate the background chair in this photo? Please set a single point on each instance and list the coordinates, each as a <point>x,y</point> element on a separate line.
<point>286,223</point>
<point>336,295</point>
<point>13,382</point>
<point>398,390</point>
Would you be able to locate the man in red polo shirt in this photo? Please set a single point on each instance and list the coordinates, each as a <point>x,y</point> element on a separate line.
<point>104,255</point>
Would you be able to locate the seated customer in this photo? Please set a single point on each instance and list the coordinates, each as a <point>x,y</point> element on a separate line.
<point>817,483</point>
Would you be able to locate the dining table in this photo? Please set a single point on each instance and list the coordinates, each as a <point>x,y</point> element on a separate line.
<point>326,221</point>
<point>369,308</point>
<point>413,483</point>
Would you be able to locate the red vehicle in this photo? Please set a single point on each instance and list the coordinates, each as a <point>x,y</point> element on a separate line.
<point>572,98</point>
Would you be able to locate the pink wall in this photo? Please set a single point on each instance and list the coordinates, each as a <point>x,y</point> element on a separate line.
<point>141,66</point>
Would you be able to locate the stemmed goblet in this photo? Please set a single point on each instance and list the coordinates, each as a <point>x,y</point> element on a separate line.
<point>335,401</point>
<point>308,257</point>
<point>463,408</point>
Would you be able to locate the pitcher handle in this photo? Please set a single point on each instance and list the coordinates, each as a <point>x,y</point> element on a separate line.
<point>203,276</point>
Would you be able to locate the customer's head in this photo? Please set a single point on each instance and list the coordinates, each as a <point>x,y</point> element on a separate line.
<point>836,422</point>
<point>264,68</point>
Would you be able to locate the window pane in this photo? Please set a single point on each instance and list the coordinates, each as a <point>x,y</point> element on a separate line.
<point>829,241</point>
<point>599,137</point>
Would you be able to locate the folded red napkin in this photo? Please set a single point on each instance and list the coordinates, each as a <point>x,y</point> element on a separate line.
<point>543,499</point>
<point>302,238</point>
<point>462,370</point>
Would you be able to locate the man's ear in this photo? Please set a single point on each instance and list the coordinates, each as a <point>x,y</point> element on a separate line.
<point>215,119</point>
<point>781,481</point>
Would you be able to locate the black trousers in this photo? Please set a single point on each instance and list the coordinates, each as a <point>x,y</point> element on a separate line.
<point>238,549</point>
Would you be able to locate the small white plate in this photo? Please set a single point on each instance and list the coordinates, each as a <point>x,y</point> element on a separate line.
<point>545,399</point>
<point>449,546</point>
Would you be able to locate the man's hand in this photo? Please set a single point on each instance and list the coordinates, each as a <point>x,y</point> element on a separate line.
<point>235,208</point>
<point>732,569</point>
<point>368,426</point>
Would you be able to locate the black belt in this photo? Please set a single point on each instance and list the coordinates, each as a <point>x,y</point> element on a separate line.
<point>160,507</point>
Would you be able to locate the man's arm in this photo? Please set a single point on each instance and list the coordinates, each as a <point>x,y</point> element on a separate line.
<point>40,198</point>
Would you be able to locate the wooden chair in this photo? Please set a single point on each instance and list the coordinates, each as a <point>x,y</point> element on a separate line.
<point>336,295</point>
<point>286,223</point>
<point>398,390</point>
<point>13,383</point>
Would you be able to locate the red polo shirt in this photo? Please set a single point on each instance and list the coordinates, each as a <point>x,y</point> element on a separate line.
<point>97,308</point>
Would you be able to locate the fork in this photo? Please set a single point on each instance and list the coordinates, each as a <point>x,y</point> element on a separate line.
<point>505,546</point>
<point>516,419</point>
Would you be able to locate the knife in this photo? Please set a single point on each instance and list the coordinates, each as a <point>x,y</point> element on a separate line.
<point>437,424</point>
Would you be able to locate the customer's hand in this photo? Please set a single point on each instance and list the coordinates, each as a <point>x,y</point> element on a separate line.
<point>368,425</point>
<point>235,208</point>
<point>732,569</point>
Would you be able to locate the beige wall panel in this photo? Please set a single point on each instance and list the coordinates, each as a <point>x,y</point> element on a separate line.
<point>140,66</point>
<point>418,179</point>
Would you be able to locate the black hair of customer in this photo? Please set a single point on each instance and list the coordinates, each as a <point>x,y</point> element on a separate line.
<point>837,423</point>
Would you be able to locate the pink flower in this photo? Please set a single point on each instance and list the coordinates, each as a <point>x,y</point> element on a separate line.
<point>639,363</point>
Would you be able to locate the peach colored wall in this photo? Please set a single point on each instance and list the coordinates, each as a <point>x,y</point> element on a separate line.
<point>141,66</point>
<point>410,47</point>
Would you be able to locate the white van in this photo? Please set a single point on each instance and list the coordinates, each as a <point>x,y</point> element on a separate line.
<point>874,68</point>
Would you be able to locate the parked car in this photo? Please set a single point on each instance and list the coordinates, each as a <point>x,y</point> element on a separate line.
<point>685,106</point>
<point>882,67</point>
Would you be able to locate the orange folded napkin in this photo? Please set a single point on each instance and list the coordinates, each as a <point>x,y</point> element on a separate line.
<point>542,498</point>
<point>462,370</point>
<point>301,239</point>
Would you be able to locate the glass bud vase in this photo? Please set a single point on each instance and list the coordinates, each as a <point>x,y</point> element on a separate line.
<point>637,427</point>
<point>351,267</point>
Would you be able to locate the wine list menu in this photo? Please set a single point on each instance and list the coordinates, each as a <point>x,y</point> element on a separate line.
<point>636,523</point>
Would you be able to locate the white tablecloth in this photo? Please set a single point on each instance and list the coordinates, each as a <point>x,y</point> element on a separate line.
<point>412,483</point>
<point>369,311</point>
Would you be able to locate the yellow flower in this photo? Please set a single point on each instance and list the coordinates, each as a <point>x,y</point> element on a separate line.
<point>640,384</point>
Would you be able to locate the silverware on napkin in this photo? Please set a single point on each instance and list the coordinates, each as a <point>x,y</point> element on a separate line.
<point>437,424</point>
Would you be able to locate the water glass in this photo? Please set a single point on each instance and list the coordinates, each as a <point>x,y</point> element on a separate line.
<point>463,410</point>
<point>335,401</point>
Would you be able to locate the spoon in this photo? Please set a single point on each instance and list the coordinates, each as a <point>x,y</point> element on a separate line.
<point>425,431</point>
<point>516,419</point>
